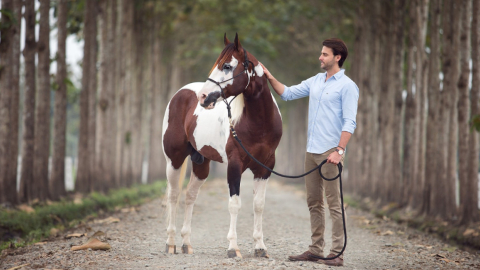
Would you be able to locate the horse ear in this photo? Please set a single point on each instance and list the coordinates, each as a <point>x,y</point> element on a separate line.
<point>238,46</point>
<point>225,40</point>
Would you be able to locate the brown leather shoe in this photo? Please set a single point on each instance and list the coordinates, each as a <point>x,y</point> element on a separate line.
<point>335,262</point>
<point>306,256</point>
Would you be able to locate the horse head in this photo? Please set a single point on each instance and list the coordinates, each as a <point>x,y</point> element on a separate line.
<point>230,75</point>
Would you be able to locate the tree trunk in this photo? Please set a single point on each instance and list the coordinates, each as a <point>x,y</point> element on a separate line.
<point>119,96</point>
<point>106,100</point>
<point>443,203</point>
<point>156,161</point>
<point>6,46</point>
<point>421,93</point>
<point>11,182</point>
<point>452,92</point>
<point>42,114</point>
<point>395,95</point>
<point>410,157</point>
<point>27,185</point>
<point>57,183</point>
<point>86,141</point>
<point>127,153</point>
<point>469,186</point>
<point>433,120</point>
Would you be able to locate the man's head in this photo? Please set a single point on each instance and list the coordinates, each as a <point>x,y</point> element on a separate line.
<point>334,52</point>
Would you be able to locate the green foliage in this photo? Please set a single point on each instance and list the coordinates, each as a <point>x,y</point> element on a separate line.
<point>35,226</point>
<point>11,19</point>
<point>475,123</point>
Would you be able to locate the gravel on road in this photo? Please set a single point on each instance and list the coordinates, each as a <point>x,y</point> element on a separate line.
<point>137,238</point>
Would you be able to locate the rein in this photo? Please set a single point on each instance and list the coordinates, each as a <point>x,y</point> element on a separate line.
<point>319,167</point>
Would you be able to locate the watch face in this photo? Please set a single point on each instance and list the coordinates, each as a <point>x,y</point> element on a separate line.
<point>340,152</point>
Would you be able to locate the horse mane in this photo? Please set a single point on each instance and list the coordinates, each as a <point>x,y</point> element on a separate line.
<point>224,56</point>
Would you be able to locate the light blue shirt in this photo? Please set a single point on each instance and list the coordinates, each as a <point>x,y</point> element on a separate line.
<point>332,108</point>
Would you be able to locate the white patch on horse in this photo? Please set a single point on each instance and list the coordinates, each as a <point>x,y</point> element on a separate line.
<point>237,108</point>
<point>219,75</point>
<point>274,101</point>
<point>234,205</point>
<point>165,126</point>
<point>259,70</point>
<point>212,129</point>
<point>173,192</point>
<point>259,191</point>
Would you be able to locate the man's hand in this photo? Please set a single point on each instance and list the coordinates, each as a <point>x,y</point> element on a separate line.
<point>265,70</point>
<point>334,158</point>
<point>277,86</point>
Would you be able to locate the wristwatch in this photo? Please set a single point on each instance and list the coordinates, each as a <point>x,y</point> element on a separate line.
<point>340,151</point>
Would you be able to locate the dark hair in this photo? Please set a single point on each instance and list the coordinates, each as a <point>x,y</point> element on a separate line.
<point>338,47</point>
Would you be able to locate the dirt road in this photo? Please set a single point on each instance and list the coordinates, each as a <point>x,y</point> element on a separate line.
<point>138,239</point>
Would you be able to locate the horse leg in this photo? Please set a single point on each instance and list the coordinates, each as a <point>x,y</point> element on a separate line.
<point>234,204</point>
<point>259,190</point>
<point>173,176</point>
<point>197,178</point>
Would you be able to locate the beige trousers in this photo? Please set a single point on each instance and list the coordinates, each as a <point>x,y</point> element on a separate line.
<point>315,186</point>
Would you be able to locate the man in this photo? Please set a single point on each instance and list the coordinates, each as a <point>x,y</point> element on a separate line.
<point>331,122</point>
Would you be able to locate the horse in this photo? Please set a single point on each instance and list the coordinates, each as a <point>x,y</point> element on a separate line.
<point>196,124</point>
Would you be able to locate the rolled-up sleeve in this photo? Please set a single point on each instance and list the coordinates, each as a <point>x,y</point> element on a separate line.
<point>350,95</point>
<point>298,91</point>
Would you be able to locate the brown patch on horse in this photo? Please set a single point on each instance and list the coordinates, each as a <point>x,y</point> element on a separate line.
<point>175,141</point>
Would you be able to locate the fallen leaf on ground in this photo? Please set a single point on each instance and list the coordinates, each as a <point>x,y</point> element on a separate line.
<point>75,235</point>
<point>40,243</point>
<point>107,220</point>
<point>94,244</point>
<point>387,233</point>
<point>128,210</point>
<point>54,232</point>
<point>98,233</point>
<point>467,232</point>
<point>437,255</point>
<point>18,267</point>
<point>26,208</point>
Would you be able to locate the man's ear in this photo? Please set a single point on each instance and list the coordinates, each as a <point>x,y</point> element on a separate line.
<point>338,57</point>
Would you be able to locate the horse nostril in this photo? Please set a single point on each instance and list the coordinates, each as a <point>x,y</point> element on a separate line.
<point>204,96</point>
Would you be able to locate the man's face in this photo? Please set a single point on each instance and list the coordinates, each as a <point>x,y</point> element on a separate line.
<point>327,59</point>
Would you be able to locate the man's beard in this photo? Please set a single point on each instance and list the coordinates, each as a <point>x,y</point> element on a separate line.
<point>326,66</point>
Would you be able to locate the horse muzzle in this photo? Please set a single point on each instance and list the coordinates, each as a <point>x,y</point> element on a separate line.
<point>208,102</point>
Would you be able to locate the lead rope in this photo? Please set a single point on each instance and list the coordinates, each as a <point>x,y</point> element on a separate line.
<point>319,167</point>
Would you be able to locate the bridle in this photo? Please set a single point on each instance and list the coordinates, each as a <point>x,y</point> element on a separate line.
<point>246,63</point>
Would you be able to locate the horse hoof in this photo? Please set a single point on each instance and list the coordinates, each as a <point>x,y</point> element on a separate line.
<point>187,249</point>
<point>261,253</point>
<point>170,249</point>
<point>232,253</point>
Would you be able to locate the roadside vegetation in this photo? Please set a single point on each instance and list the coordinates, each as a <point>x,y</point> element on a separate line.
<point>30,224</point>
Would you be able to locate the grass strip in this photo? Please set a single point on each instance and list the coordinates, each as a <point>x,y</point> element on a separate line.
<point>19,228</point>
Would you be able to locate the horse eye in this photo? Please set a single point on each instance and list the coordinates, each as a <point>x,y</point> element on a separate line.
<point>227,66</point>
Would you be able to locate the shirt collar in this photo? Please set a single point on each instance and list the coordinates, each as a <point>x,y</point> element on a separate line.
<point>337,75</point>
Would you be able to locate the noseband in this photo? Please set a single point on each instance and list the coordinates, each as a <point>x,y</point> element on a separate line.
<point>245,66</point>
